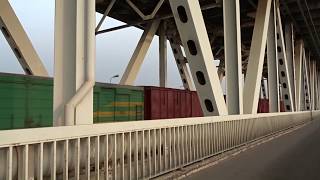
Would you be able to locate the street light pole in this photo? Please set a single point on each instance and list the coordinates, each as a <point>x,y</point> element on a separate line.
<point>115,76</point>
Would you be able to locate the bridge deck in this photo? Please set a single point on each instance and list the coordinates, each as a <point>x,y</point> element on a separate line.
<point>291,156</point>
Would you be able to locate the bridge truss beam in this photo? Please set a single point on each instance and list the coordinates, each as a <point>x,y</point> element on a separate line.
<point>74,67</point>
<point>19,41</point>
<point>272,61</point>
<point>194,37</point>
<point>181,62</point>
<point>256,58</point>
<point>283,66</point>
<point>132,69</point>
<point>163,55</point>
<point>233,58</point>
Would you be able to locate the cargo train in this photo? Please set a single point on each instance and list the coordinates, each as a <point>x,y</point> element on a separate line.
<point>27,102</point>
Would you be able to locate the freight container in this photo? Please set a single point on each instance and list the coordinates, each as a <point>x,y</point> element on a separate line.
<point>117,103</point>
<point>282,109</point>
<point>27,102</point>
<point>263,106</point>
<point>167,103</point>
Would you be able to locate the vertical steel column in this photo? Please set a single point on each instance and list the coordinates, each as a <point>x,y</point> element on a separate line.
<point>256,58</point>
<point>162,55</point>
<point>303,83</point>
<point>181,62</point>
<point>19,42</point>
<point>283,66</point>
<point>315,79</point>
<point>233,60</point>
<point>298,73</point>
<point>194,36</point>
<point>312,77</point>
<point>131,72</point>
<point>289,39</point>
<point>318,88</point>
<point>306,83</point>
<point>272,58</point>
<point>74,62</point>
<point>316,93</point>
<point>309,79</point>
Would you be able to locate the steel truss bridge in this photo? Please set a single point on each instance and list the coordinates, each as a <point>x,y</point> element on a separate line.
<point>263,40</point>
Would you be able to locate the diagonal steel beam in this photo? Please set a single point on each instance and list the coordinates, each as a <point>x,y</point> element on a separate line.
<point>131,72</point>
<point>19,41</point>
<point>283,66</point>
<point>194,37</point>
<point>256,58</point>
<point>183,69</point>
<point>289,39</point>
<point>272,60</point>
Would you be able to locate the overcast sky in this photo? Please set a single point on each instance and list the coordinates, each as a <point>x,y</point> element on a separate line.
<point>113,49</point>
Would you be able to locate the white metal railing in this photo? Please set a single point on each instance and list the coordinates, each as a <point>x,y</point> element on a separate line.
<point>131,150</point>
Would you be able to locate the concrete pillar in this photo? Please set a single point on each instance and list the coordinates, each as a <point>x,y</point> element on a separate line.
<point>74,53</point>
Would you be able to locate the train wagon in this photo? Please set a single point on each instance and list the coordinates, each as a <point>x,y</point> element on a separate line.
<point>166,103</point>
<point>27,102</point>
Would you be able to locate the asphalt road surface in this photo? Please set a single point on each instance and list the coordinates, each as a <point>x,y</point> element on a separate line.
<point>293,156</point>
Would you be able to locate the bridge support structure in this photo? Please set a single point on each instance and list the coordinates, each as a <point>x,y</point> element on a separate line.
<point>74,66</point>
<point>19,42</point>
<point>146,149</point>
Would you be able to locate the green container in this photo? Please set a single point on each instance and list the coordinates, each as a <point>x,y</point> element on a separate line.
<point>27,102</point>
<point>117,103</point>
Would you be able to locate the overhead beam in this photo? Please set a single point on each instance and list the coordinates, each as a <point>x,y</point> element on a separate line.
<point>105,14</point>
<point>233,58</point>
<point>19,42</point>
<point>194,37</point>
<point>131,72</point>
<point>74,53</point>
<point>256,58</point>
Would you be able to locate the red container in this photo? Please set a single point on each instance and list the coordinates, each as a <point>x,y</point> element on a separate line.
<point>282,109</point>
<point>166,103</point>
<point>263,106</point>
